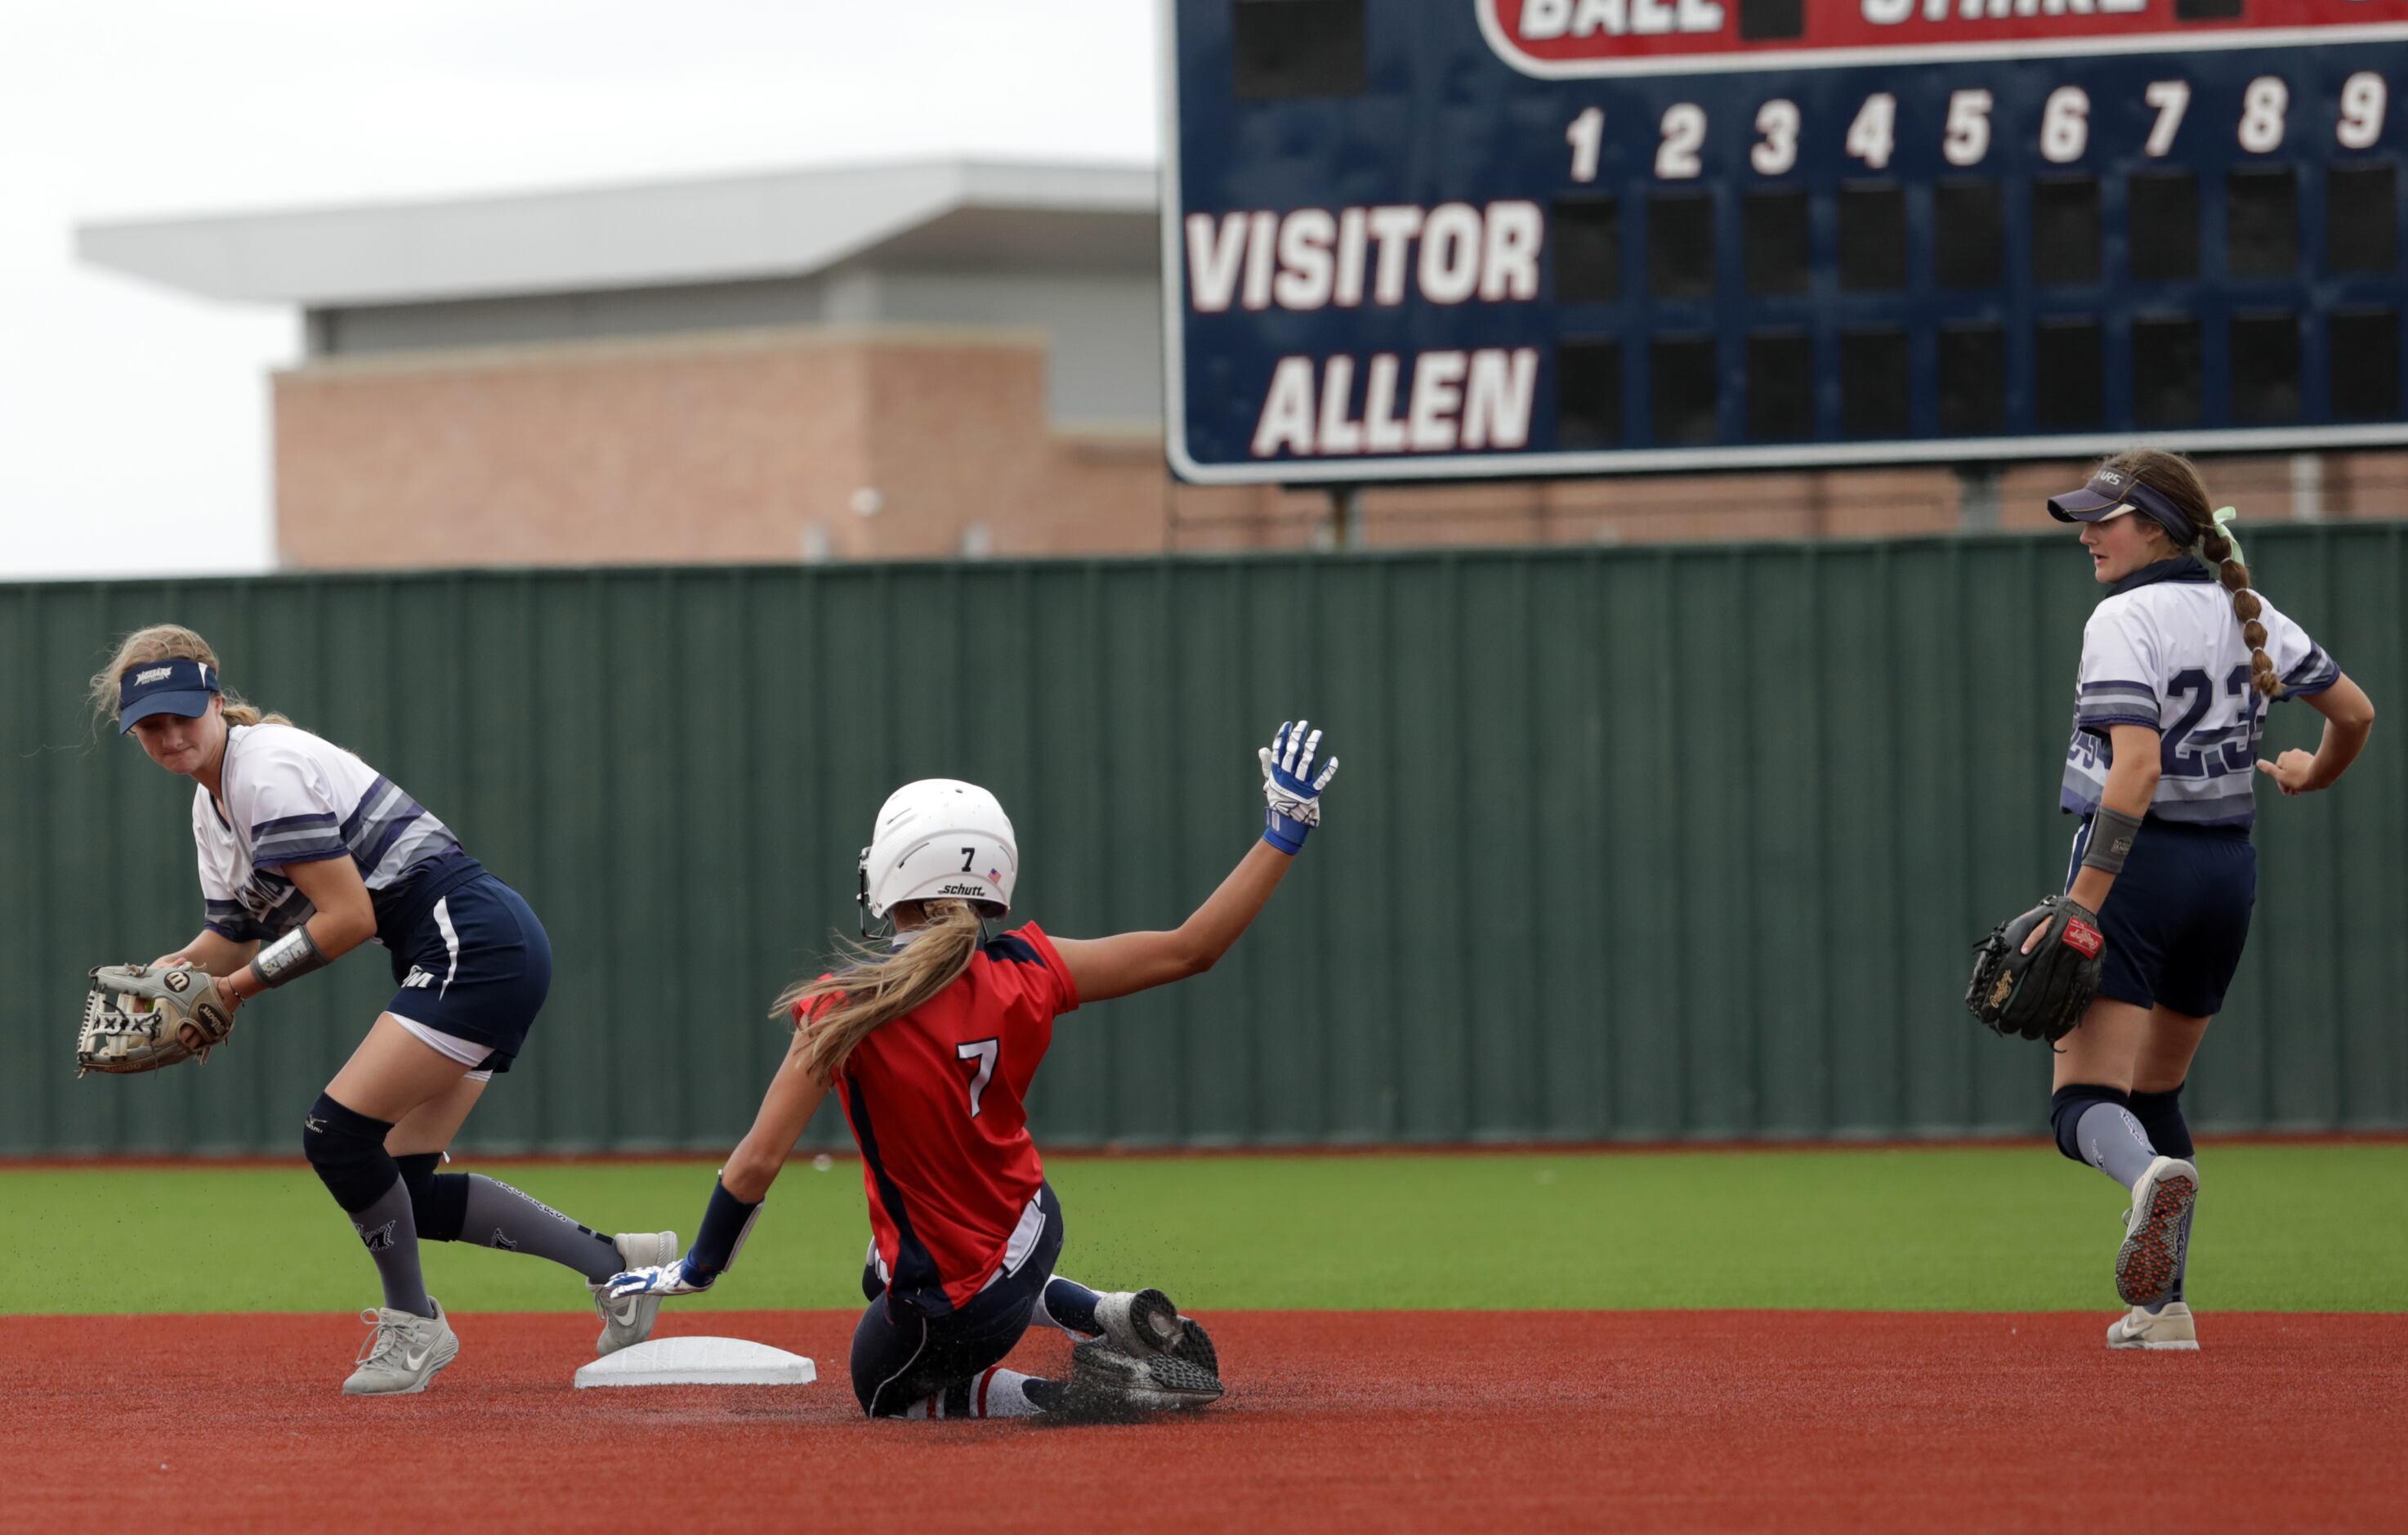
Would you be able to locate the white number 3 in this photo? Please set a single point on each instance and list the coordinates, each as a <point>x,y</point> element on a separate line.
<point>984,1051</point>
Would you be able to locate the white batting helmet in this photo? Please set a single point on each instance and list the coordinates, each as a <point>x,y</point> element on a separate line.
<point>935,839</point>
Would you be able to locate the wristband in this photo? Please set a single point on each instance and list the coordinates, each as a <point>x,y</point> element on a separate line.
<point>726,1222</point>
<point>294,955</point>
<point>1284,833</point>
<point>2111,840</point>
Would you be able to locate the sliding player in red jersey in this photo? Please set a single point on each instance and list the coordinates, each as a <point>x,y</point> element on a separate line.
<point>930,1043</point>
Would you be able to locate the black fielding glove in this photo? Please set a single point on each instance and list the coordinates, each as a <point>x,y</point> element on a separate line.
<point>2041,995</point>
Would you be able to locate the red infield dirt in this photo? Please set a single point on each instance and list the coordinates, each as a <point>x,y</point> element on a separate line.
<point>1390,1420</point>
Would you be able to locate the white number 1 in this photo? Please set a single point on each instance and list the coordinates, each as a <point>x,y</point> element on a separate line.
<point>984,1051</point>
<point>1586,136</point>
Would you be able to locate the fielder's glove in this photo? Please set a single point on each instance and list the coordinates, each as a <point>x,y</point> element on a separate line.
<point>657,1279</point>
<point>2041,995</point>
<point>1291,786</point>
<point>139,1019</point>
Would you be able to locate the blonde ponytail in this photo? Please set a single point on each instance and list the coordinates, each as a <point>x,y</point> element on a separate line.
<point>167,642</point>
<point>877,987</point>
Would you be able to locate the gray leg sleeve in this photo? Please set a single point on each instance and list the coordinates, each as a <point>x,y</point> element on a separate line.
<point>391,1233</point>
<point>501,1216</point>
<point>2113,1141</point>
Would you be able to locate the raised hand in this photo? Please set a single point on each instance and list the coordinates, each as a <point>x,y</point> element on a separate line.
<point>1291,786</point>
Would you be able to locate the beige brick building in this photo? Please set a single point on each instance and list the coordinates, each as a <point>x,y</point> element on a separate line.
<point>895,362</point>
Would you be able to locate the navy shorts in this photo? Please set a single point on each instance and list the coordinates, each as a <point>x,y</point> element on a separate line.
<point>902,1355</point>
<point>477,965</point>
<point>2177,916</point>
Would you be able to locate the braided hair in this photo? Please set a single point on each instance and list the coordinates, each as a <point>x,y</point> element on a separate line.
<point>2177,479</point>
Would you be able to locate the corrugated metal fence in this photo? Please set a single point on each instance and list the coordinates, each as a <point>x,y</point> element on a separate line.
<point>1661,843</point>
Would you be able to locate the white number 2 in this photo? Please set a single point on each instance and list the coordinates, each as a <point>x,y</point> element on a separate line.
<point>984,1051</point>
<point>1685,129</point>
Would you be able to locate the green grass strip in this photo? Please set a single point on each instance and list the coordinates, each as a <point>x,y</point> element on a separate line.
<point>2320,1228</point>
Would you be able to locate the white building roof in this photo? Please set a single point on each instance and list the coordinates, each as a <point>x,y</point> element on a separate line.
<point>953,212</point>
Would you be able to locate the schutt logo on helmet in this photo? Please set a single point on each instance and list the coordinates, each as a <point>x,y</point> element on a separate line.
<point>979,890</point>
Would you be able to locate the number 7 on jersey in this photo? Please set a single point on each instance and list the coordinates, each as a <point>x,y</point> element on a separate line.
<point>984,1051</point>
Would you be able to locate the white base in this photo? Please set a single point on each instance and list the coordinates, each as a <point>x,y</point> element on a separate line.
<point>699,1361</point>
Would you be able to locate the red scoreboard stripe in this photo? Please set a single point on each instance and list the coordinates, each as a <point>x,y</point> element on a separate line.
<point>1627,37</point>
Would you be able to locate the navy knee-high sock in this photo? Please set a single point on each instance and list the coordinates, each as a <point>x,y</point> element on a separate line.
<point>1070,1306</point>
<point>2161,1115</point>
<point>438,1199</point>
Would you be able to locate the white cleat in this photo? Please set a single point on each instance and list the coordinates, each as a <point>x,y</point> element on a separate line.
<point>628,1322</point>
<point>2161,1200</point>
<point>402,1354</point>
<point>2170,1329</point>
<point>1144,1323</point>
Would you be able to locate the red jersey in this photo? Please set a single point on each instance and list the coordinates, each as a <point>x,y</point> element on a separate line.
<point>937,1099</point>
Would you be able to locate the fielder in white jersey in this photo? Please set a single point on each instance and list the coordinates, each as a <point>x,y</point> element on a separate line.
<point>305,853</point>
<point>2180,662</point>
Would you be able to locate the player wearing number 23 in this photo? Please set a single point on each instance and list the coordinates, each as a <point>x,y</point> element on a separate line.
<point>929,1036</point>
<point>2180,661</point>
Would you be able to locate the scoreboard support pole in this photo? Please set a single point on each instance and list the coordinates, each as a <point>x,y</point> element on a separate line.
<point>1977,496</point>
<point>1344,529</point>
<point>2308,487</point>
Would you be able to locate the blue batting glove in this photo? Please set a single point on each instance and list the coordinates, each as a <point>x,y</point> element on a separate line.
<point>659,1279</point>
<point>1292,787</point>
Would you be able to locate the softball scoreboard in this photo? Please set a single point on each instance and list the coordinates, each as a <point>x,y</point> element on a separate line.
<point>1446,238</point>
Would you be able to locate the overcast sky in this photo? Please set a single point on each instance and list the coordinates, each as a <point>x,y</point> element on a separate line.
<point>134,431</point>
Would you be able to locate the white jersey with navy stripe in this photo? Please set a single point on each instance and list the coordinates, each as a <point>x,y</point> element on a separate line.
<point>292,798</point>
<point>2167,654</point>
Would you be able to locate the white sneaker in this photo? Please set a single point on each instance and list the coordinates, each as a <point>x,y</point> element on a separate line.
<point>1106,1384</point>
<point>628,1322</point>
<point>1144,1323</point>
<point>2144,1266</point>
<point>2170,1329</point>
<point>402,1354</point>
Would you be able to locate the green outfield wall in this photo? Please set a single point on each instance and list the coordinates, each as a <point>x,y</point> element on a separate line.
<point>1665,843</point>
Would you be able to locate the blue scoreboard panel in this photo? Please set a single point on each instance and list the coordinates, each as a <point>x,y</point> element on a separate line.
<point>1447,239</point>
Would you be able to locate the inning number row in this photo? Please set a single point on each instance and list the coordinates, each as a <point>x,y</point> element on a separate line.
<point>1965,140</point>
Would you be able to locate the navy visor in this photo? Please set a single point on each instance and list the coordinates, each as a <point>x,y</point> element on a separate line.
<point>2112,491</point>
<point>163,687</point>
